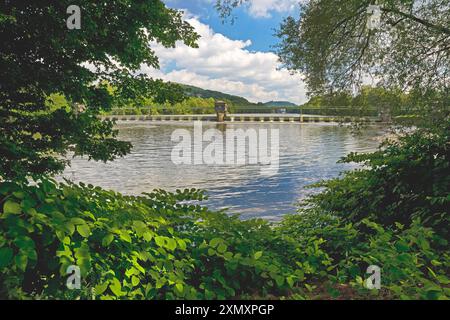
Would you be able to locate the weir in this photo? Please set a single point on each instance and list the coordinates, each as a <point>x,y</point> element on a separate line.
<point>288,118</point>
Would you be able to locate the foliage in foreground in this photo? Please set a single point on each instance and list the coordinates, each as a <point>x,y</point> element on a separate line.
<point>402,181</point>
<point>154,247</point>
<point>129,247</point>
<point>165,246</point>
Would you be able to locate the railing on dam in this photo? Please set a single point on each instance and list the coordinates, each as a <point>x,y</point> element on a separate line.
<point>243,117</point>
<point>344,111</point>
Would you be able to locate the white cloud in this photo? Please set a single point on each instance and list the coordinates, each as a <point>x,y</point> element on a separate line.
<point>226,65</point>
<point>262,8</point>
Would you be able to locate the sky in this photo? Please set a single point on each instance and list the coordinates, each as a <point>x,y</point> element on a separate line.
<point>236,58</point>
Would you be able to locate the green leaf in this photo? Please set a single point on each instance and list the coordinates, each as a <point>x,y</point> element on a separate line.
<point>279,280</point>
<point>436,263</point>
<point>228,255</point>
<point>125,236</point>
<point>135,281</point>
<point>399,225</point>
<point>160,241</point>
<point>82,252</point>
<point>116,287</point>
<point>443,279</point>
<point>222,248</point>
<point>30,253</point>
<point>140,227</point>
<point>6,255</point>
<point>106,241</point>
<point>69,227</point>
<point>24,243</point>
<point>148,236</point>
<point>100,288</point>
<point>21,261</point>
<point>84,230</point>
<point>258,255</point>
<point>290,281</point>
<point>215,241</point>
<point>182,244</point>
<point>423,243</point>
<point>19,194</point>
<point>171,244</point>
<point>77,221</point>
<point>179,287</point>
<point>11,207</point>
<point>37,136</point>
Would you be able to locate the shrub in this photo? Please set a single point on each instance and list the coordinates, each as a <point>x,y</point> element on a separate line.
<point>155,246</point>
<point>414,261</point>
<point>403,180</point>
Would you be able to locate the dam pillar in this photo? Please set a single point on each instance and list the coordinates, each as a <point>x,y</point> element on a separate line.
<point>221,109</point>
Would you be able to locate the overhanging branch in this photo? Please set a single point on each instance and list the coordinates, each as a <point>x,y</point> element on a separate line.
<point>418,20</point>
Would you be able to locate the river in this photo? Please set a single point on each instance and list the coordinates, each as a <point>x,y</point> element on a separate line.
<point>308,153</point>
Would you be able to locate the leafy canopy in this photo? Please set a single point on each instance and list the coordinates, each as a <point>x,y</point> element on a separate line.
<point>331,44</point>
<point>40,56</point>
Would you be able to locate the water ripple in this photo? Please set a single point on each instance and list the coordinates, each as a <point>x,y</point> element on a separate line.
<point>308,153</point>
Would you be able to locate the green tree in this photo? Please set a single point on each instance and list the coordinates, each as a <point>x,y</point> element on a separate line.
<point>40,56</point>
<point>333,46</point>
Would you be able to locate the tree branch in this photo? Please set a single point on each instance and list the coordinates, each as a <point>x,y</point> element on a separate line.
<point>418,20</point>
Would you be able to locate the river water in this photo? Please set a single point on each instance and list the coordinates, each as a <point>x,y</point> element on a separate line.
<point>308,153</point>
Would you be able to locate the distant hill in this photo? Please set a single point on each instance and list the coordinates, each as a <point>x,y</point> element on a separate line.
<point>193,91</point>
<point>279,104</point>
<point>203,93</point>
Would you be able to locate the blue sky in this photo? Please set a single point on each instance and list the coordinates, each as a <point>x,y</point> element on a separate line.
<point>259,30</point>
<point>236,58</point>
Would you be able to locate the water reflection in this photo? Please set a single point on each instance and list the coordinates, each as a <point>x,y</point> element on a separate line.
<point>308,153</point>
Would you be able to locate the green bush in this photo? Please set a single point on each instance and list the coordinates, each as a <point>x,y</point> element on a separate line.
<point>163,246</point>
<point>414,261</point>
<point>392,213</point>
<point>155,246</point>
<point>404,180</point>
